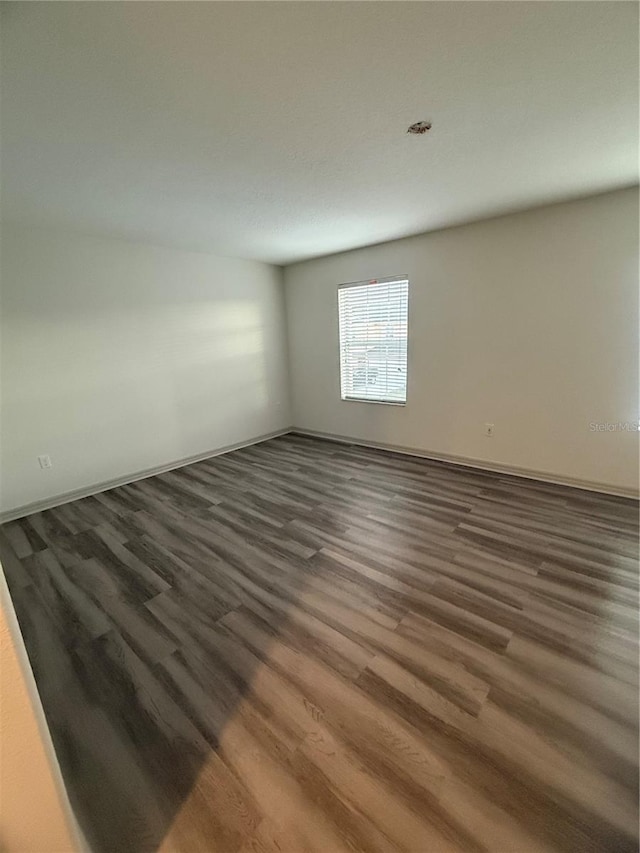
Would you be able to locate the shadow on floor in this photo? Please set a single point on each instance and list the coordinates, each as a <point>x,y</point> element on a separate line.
<point>122,600</point>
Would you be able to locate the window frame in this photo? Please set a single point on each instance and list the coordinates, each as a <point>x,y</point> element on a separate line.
<point>372,281</point>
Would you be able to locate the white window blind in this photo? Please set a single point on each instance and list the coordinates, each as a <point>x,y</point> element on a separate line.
<point>373,340</point>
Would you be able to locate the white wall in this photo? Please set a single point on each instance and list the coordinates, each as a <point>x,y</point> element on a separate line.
<point>527,321</point>
<point>118,357</point>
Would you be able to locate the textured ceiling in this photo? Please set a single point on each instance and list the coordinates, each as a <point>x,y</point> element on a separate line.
<point>277,130</point>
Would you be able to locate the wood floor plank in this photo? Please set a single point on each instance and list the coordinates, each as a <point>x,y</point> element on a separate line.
<point>310,646</point>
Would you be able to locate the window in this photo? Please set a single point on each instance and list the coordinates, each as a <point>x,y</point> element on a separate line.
<point>373,340</point>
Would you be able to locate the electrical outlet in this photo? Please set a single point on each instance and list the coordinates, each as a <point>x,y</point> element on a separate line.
<point>488,430</point>
<point>44,461</point>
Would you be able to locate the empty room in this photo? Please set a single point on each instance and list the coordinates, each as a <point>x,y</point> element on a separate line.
<point>319,427</point>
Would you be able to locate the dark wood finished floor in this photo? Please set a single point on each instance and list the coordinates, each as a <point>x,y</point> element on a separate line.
<point>309,646</point>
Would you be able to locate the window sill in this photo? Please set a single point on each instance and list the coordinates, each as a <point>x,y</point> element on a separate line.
<point>376,402</point>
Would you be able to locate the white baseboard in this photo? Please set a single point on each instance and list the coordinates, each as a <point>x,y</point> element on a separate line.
<point>467,462</point>
<point>96,488</point>
<point>541,476</point>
